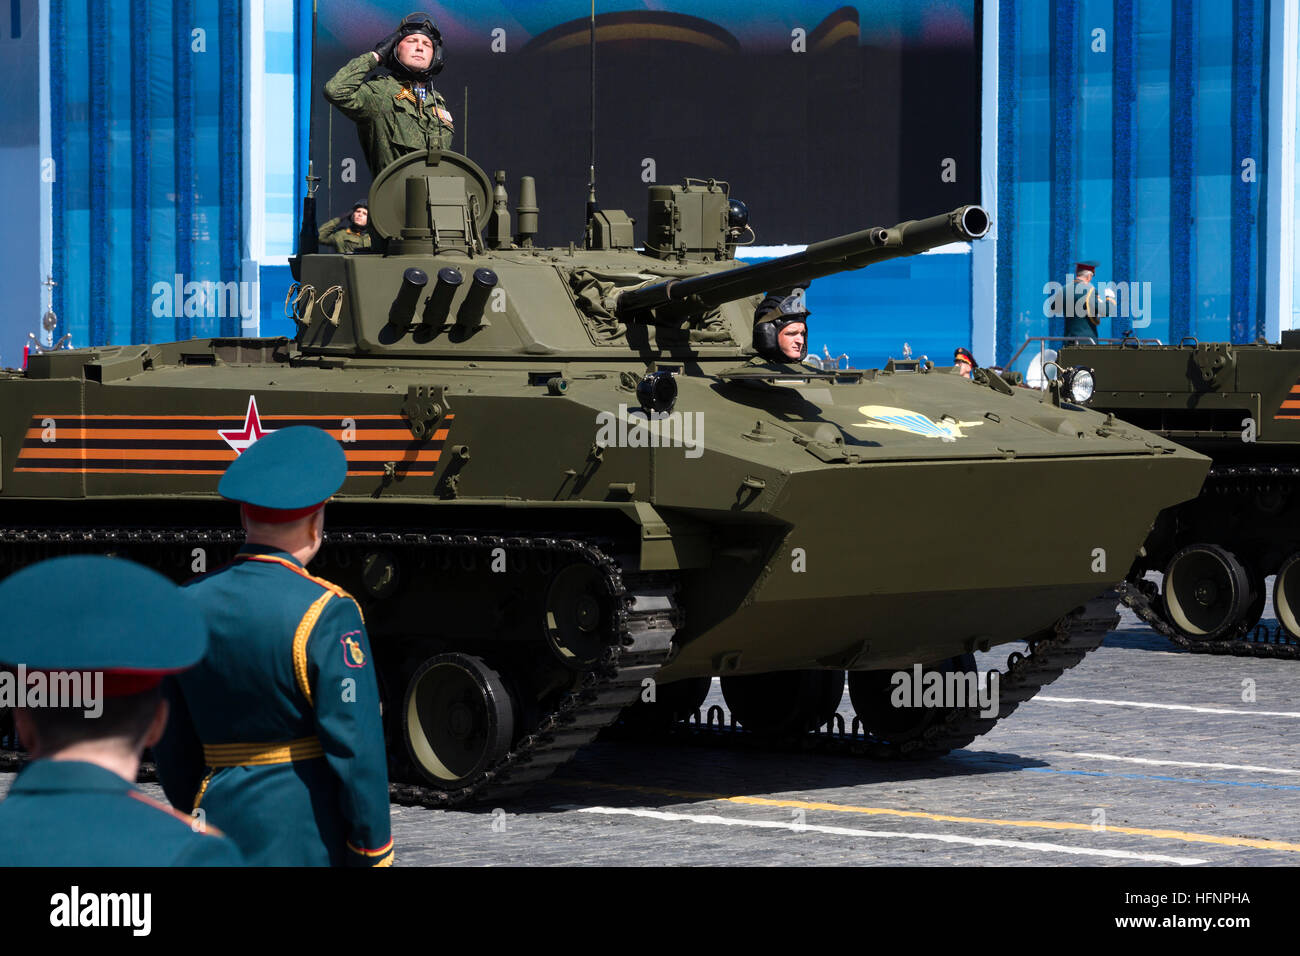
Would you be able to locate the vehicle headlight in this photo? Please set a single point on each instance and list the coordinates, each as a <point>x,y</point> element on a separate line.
<point>1077,385</point>
<point>657,392</point>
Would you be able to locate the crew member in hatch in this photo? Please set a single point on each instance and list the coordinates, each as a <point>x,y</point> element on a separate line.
<point>398,112</point>
<point>963,361</point>
<point>781,325</point>
<point>348,234</point>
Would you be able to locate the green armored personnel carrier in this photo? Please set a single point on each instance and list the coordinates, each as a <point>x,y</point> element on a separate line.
<point>1240,405</point>
<point>573,486</point>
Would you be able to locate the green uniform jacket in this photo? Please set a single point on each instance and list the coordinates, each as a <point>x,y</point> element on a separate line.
<point>335,233</point>
<point>276,733</point>
<point>1084,321</point>
<point>390,120</point>
<point>72,813</point>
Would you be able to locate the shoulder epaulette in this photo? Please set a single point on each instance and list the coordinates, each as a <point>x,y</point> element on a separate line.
<point>196,824</point>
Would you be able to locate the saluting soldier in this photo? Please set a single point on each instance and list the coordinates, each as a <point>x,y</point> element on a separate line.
<point>76,803</point>
<point>351,235</point>
<point>277,732</point>
<point>397,112</point>
<point>1084,319</point>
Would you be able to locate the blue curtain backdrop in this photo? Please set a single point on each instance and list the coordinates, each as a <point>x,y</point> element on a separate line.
<point>148,153</point>
<point>1133,132</point>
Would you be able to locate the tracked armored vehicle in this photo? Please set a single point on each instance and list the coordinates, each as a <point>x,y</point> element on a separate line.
<point>1240,405</point>
<point>573,486</point>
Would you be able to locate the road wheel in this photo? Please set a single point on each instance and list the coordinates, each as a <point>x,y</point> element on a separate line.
<point>1206,592</point>
<point>784,701</point>
<point>873,696</point>
<point>458,719</point>
<point>673,702</point>
<point>578,616</point>
<point>1286,596</point>
<point>1258,598</point>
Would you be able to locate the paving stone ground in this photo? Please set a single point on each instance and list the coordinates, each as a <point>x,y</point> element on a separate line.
<point>1033,791</point>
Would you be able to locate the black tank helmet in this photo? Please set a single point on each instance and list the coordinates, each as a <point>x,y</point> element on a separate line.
<point>780,308</point>
<point>417,23</point>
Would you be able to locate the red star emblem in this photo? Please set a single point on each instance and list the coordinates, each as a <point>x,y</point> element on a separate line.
<point>240,438</point>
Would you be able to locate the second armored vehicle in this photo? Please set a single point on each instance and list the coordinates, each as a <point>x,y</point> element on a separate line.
<point>1240,405</point>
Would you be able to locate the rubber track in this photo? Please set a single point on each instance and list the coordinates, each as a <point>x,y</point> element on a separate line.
<point>1139,598</point>
<point>1071,639</point>
<point>645,622</point>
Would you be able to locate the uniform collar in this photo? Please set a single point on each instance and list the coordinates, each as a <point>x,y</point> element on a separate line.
<point>266,550</point>
<point>51,775</point>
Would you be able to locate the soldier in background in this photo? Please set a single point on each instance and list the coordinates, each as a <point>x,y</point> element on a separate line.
<point>963,361</point>
<point>76,803</point>
<point>277,733</point>
<point>350,238</point>
<point>781,326</point>
<point>1083,318</point>
<point>397,112</point>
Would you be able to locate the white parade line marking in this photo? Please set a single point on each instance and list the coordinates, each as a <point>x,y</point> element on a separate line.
<point>713,819</point>
<point>1249,768</point>
<point>1145,704</point>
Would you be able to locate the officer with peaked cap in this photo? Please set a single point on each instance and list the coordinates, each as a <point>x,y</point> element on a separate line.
<point>398,112</point>
<point>781,326</point>
<point>277,733</point>
<point>1083,320</point>
<point>86,675</point>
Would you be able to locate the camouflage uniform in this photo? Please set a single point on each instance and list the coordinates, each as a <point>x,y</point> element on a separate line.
<point>391,121</point>
<point>337,234</point>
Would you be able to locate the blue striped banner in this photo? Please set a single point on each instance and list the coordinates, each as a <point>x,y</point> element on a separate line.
<point>1123,203</point>
<point>1184,64</point>
<point>231,133</point>
<point>1247,320</point>
<point>1008,332</point>
<point>58,136</point>
<point>304,18</point>
<point>183,96</point>
<point>1064,103</point>
<point>141,163</point>
<point>97,40</point>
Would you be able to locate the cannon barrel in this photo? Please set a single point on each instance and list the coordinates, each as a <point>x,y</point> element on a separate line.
<point>841,254</point>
